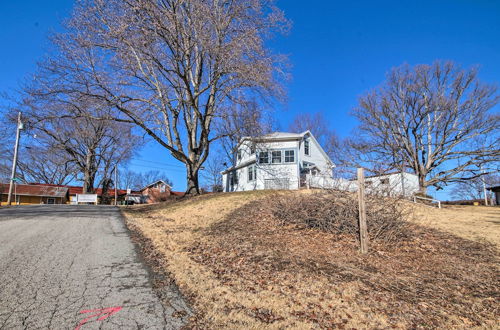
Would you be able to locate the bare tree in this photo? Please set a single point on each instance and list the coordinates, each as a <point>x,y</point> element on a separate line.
<point>212,172</point>
<point>243,120</point>
<point>89,145</point>
<point>137,180</point>
<point>149,177</point>
<point>318,125</point>
<point>42,164</point>
<point>433,119</point>
<point>6,149</point>
<point>474,188</point>
<point>169,67</point>
<point>129,179</point>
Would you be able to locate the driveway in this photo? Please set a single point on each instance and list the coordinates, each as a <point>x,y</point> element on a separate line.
<point>69,267</point>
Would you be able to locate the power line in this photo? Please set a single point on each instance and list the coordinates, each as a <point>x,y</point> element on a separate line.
<point>155,162</point>
<point>157,168</point>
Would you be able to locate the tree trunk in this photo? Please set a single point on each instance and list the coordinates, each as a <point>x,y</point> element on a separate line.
<point>422,188</point>
<point>88,182</point>
<point>192,180</point>
<point>105,198</point>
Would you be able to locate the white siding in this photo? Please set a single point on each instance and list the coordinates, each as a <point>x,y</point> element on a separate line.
<point>391,184</point>
<point>315,157</point>
<point>276,175</point>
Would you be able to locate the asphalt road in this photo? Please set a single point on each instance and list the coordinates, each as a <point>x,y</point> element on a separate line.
<point>61,265</point>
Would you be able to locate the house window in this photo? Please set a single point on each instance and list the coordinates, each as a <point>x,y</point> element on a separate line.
<point>233,178</point>
<point>263,157</point>
<point>276,157</point>
<point>252,148</point>
<point>306,147</point>
<point>239,154</point>
<point>289,156</point>
<point>384,181</point>
<point>252,173</point>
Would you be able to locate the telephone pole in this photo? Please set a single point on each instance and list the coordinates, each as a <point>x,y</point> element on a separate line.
<point>484,187</point>
<point>14,161</point>
<point>116,185</point>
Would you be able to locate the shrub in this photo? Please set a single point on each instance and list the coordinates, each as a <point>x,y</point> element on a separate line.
<point>337,212</point>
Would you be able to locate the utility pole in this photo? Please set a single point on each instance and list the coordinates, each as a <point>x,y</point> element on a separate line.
<point>116,185</point>
<point>14,161</point>
<point>484,187</point>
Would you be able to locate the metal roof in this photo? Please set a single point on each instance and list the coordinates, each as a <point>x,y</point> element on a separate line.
<point>35,190</point>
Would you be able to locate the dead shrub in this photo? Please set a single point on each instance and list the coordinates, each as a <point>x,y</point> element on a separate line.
<point>337,212</point>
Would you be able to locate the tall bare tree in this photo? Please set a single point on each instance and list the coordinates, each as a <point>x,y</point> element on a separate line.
<point>318,125</point>
<point>212,172</point>
<point>90,145</point>
<point>42,164</point>
<point>436,120</point>
<point>474,188</point>
<point>6,148</point>
<point>169,67</point>
<point>138,180</point>
<point>243,120</point>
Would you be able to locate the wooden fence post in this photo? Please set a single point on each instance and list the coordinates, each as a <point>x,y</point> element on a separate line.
<point>363,231</point>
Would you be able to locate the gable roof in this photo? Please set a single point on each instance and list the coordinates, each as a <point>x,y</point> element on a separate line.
<point>249,162</point>
<point>282,136</point>
<point>153,183</point>
<point>319,146</point>
<point>275,136</point>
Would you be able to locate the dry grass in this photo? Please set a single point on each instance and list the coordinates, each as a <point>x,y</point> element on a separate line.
<point>478,223</point>
<point>241,270</point>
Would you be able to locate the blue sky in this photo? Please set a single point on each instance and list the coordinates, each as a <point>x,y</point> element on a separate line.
<point>337,50</point>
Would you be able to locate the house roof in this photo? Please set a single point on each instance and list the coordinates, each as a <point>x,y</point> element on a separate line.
<point>282,135</point>
<point>152,183</point>
<point>494,188</point>
<point>73,190</point>
<point>248,162</point>
<point>278,136</point>
<point>275,136</point>
<point>35,190</point>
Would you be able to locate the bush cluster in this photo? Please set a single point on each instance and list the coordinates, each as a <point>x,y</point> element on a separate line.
<point>337,212</point>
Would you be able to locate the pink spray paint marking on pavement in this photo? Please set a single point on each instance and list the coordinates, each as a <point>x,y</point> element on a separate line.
<point>101,314</point>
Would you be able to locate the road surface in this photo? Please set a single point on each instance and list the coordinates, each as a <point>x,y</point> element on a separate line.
<point>67,266</point>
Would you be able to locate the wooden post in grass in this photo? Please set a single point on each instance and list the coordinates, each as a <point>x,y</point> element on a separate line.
<point>363,231</point>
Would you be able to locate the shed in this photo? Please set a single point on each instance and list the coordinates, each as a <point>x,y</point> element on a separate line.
<point>495,189</point>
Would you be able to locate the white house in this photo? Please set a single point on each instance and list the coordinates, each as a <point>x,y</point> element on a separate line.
<point>277,161</point>
<point>393,184</point>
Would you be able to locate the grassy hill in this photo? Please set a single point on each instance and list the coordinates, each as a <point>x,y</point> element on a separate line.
<point>241,268</point>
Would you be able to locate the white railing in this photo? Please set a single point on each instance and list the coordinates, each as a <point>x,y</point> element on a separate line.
<point>327,182</point>
<point>427,199</point>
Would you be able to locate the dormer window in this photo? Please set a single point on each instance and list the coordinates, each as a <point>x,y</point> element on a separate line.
<point>306,147</point>
<point>252,148</point>
<point>239,154</point>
